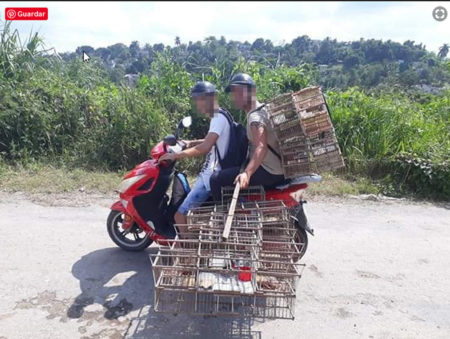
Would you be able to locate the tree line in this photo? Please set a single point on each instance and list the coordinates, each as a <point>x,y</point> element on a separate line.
<point>364,63</point>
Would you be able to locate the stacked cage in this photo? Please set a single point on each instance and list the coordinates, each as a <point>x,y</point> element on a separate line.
<point>292,141</point>
<point>306,136</point>
<point>252,273</point>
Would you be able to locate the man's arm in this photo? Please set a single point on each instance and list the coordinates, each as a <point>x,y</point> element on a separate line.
<point>193,143</point>
<point>201,149</point>
<point>259,135</point>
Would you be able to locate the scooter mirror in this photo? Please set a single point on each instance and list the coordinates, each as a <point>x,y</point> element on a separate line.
<point>170,140</point>
<point>187,121</point>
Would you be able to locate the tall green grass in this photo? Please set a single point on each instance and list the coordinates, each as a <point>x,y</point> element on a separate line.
<point>70,114</point>
<point>398,139</point>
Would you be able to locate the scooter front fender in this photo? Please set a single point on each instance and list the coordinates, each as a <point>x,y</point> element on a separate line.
<point>118,206</point>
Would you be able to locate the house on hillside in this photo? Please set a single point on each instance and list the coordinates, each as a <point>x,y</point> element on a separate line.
<point>131,80</point>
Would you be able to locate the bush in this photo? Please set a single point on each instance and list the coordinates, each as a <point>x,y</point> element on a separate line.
<point>90,123</point>
<point>393,136</point>
<point>71,113</point>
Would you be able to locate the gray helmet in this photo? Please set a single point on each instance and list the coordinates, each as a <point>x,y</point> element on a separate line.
<point>203,88</point>
<point>241,79</point>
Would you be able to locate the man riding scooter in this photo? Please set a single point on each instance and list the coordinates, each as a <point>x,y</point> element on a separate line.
<point>145,213</point>
<point>205,100</point>
<point>264,167</point>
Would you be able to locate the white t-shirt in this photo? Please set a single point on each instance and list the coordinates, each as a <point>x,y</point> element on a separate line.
<point>220,126</point>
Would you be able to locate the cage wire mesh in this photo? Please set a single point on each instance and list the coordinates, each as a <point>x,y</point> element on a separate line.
<point>252,273</point>
<point>305,133</point>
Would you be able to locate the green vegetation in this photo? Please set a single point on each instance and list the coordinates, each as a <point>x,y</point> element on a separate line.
<point>341,186</point>
<point>402,142</point>
<point>389,101</point>
<point>363,63</point>
<point>44,178</point>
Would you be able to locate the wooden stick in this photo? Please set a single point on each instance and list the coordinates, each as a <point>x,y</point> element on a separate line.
<point>227,228</point>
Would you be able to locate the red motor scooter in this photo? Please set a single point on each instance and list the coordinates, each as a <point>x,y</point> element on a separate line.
<point>144,213</point>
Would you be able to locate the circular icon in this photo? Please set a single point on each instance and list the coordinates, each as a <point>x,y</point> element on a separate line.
<point>11,14</point>
<point>440,13</point>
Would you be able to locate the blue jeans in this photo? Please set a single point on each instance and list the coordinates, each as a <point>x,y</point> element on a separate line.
<point>196,197</point>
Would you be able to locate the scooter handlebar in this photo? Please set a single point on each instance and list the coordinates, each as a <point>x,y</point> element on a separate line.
<point>177,148</point>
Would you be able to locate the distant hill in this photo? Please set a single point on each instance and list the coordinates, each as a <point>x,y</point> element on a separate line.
<point>364,63</point>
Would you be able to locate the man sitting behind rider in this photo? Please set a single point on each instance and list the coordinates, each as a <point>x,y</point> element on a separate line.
<point>205,100</point>
<point>264,167</point>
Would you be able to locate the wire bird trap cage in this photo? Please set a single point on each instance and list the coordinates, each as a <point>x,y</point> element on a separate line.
<point>251,273</point>
<point>305,133</point>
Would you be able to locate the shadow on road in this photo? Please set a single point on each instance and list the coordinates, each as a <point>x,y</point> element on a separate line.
<point>123,282</point>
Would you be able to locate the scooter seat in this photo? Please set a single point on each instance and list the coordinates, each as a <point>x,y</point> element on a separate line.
<point>299,180</point>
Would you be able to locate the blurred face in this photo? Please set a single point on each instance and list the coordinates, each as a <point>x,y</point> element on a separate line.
<point>242,96</point>
<point>200,104</point>
<point>204,104</point>
<point>239,96</point>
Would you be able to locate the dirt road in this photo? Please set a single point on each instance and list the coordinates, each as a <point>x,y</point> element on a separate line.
<point>374,270</point>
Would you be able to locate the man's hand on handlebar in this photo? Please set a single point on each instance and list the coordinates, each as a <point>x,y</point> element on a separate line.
<point>184,143</point>
<point>192,143</point>
<point>168,157</point>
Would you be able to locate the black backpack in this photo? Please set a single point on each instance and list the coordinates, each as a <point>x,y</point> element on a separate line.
<point>237,146</point>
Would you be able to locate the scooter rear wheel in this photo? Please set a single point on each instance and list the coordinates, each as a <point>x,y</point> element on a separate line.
<point>133,240</point>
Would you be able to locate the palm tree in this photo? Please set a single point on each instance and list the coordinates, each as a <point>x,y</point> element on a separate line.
<point>443,51</point>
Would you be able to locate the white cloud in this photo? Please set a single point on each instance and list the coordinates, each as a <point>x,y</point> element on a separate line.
<point>99,24</point>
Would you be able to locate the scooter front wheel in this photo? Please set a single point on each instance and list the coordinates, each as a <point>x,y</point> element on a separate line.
<point>133,239</point>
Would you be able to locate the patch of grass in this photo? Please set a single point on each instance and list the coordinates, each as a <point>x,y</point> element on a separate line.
<point>38,178</point>
<point>332,185</point>
<point>398,138</point>
<point>42,178</point>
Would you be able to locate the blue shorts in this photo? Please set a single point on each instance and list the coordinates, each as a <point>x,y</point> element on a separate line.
<point>195,197</point>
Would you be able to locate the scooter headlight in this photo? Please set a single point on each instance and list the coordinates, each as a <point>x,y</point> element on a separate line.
<point>127,183</point>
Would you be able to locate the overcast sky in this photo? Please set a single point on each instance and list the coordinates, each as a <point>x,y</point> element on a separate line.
<point>99,24</point>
